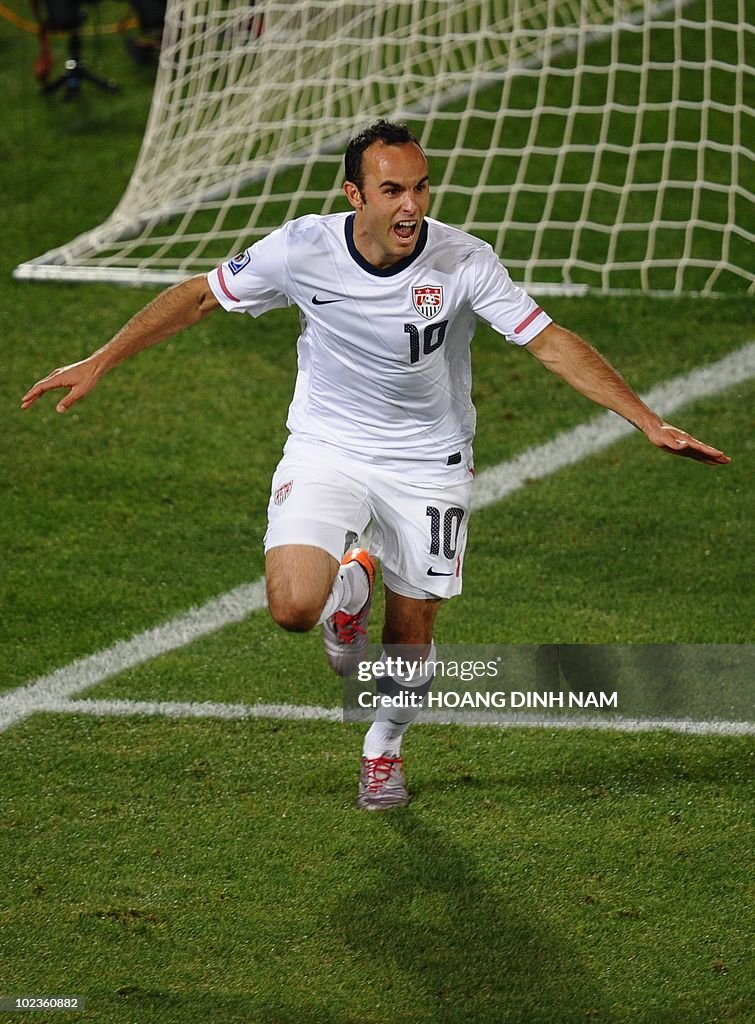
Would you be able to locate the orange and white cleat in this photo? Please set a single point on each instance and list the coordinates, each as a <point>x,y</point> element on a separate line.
<point>344,635</point>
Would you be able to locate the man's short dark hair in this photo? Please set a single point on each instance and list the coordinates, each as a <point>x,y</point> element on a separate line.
<point>388,132</point>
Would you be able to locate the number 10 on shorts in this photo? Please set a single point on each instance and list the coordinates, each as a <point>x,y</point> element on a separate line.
<point>444,529</point>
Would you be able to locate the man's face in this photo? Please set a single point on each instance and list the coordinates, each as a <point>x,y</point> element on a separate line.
<point>392,205</point>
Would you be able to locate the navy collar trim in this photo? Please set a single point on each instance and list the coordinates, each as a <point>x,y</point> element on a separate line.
<point>396,268</point>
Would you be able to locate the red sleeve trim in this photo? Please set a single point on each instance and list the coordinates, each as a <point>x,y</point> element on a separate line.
<point>225,287</point>
<point>525,323</point>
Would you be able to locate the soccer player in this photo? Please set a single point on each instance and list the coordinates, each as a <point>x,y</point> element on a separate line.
<point>381,422</point>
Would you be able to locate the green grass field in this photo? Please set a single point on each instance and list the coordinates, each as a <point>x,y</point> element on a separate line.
<point>176,870</point>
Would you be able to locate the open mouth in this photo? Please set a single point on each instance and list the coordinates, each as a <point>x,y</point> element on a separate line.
<point>405,229</point>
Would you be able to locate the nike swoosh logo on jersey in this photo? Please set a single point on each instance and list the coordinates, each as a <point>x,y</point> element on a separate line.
<point>432,572</point>
<point>324,302</point>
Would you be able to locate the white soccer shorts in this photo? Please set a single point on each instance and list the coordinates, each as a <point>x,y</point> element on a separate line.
<point>417,513</point>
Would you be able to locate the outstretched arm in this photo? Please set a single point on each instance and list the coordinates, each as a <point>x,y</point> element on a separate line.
<point>571,358</point>
<point>171,311</point>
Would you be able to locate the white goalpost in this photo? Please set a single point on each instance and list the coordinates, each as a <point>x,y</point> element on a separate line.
<point>602,145</point>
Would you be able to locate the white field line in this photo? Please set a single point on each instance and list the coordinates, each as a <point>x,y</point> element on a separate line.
<point>51,691</point>
<point>313,713</point>
<point>600,433</point>
<point>93,669</point>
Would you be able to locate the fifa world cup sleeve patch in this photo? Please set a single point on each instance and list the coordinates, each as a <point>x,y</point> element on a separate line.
<point>239,262</point>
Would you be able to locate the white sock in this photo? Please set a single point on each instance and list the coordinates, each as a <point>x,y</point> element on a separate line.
<point>350,590</point>
<point>386,733</point>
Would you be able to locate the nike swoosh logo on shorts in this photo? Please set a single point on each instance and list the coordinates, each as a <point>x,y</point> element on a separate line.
<point>325,302</point>
<point>432,572</point>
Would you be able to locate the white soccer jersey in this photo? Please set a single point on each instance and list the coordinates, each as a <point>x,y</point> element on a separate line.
<point>383,355</point>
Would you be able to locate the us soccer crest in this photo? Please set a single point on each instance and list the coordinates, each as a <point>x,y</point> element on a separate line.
<point>428,300</point>
<point>283,492</point>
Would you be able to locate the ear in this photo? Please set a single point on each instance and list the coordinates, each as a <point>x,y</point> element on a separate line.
<point>353,194</point>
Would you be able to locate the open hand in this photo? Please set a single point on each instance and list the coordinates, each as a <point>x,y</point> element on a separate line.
<point>679,442</point>
<point>79,378</point>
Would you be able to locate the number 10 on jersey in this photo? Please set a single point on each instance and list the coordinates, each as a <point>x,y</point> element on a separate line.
<point>432,337</point>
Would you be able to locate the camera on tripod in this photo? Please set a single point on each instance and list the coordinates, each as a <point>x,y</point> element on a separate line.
<point>67,16</point>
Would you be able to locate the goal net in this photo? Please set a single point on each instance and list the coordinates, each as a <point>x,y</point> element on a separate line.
<point>597,144</point>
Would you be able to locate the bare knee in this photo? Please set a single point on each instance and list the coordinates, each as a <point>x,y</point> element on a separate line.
<point>292,615</point>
